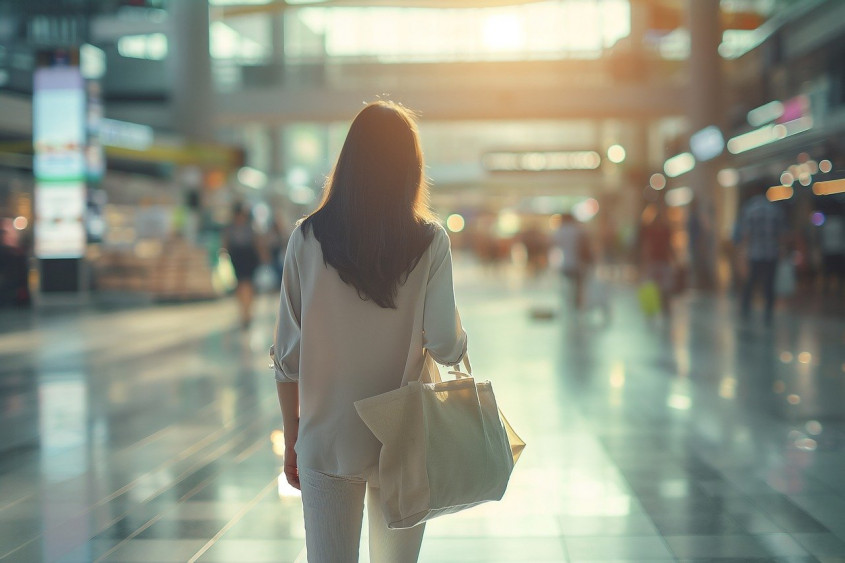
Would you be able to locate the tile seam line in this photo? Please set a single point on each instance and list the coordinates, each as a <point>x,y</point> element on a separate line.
<point>200,486</point>
<point>645,512</point>
<point>229,444</point>
<point>210,458</point>
<point>128,449</point>
<point>234,520</point>
<point>159,516</point>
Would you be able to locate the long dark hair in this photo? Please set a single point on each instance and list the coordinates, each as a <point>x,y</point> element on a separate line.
<point>374,223</point>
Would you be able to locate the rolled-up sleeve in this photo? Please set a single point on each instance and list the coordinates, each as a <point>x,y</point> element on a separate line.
<point>285,349</point>
<point>443,335</point>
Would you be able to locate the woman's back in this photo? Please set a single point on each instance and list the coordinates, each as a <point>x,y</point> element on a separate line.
<point>342,348</point>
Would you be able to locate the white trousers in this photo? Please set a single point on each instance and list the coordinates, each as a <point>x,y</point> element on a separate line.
<point>334,511</point>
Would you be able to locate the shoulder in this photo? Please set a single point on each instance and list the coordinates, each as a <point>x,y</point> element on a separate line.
<point>440,243</point>
<point>439,234</point>
<point>297,233</point>
<point>298,236</point>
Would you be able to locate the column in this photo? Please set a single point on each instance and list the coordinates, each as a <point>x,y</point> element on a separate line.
<point>705,108</point>
<point>192,94</point>
<point>277,30</point>
<point>277,162</point>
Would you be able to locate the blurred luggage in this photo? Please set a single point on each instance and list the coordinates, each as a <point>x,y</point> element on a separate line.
<point>649,297</point>
<point>542,313</point>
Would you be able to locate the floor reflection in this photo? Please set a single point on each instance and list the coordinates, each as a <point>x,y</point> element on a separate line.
<point>154,435</point>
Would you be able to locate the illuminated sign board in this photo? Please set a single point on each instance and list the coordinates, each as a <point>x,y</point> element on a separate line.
<point>135,136</point>
<point>541,161</point>
<point>59,211</point>
<point>59,123</point>
<point>59,139</point>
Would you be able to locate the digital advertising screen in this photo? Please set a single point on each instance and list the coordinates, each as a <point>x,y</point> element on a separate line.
<point>60,219</point>
<point>59,123</point>
<point>59,138</point>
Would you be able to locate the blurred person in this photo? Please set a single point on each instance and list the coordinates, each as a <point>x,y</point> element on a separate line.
<point>700,240</point>
<point>657,258</point>
<point>536,244</point>
<point>14,288</point>
<point>574,244</point>
<point>276,241</point>
<point>761,230</point>
<point>832,246</point>
<point>246,250</point>
<point>366,291</point>
<point>8,265</point>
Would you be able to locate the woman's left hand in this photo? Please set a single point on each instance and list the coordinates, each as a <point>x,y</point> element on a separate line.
<point>291,469</point>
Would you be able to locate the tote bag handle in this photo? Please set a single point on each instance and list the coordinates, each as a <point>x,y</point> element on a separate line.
<point>456,368</point>
<point>431,374</point>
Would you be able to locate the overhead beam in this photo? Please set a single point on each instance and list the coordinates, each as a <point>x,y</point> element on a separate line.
<point>235,10</point>
<point>509,102</point>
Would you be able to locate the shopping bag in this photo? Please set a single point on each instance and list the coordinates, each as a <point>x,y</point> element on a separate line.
<point>649,296</point>
<point>785,278</point>
<point>445,446</point>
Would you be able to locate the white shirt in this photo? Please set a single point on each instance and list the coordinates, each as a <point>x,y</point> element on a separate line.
<point>341,348</point>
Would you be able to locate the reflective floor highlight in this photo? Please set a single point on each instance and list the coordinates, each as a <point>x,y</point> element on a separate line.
<point>152,434</point>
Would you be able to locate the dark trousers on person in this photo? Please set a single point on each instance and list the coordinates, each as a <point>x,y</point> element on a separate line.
<point>576,280</point>
<point>761,272</point>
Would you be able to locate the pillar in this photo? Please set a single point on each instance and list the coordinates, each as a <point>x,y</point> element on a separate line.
<point>277,30</point>
<point>705,108</point>
<point>192,94</point>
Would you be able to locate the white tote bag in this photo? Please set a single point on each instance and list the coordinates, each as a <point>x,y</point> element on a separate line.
<point>445,446</point>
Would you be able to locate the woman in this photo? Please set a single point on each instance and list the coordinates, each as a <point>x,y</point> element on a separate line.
<point>366,289</point>
<point>246,252</point>
<point>658,258</point>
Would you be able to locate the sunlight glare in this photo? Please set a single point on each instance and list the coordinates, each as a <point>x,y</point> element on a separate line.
<point>503,32</point>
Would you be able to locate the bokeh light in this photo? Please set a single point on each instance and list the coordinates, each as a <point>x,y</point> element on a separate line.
<point>657,181</point>
<point>779,193</point>
<point>586,210</point>
<point>727,177</point>
<point>455,222</point>
<point>616,154</point>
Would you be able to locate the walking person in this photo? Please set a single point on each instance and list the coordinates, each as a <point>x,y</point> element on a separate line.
<point>657,258</point>
<point>576,249</point>
<point>832,246</point>
<point>761,229</point>
<point>246,251</point>
<point>276,241</point>
<point>366,291</point>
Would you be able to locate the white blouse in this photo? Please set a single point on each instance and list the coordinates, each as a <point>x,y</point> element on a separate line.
<point>341,348</point>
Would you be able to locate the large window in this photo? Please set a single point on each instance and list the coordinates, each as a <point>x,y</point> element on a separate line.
<point>243,39</point>
<point>541,30</point>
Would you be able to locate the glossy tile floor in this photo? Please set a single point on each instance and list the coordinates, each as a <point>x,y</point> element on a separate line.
<point>151,435</point>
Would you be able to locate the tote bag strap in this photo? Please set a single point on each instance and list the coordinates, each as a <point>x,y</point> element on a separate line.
<point>431,374</point>
<point>456,368</point>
